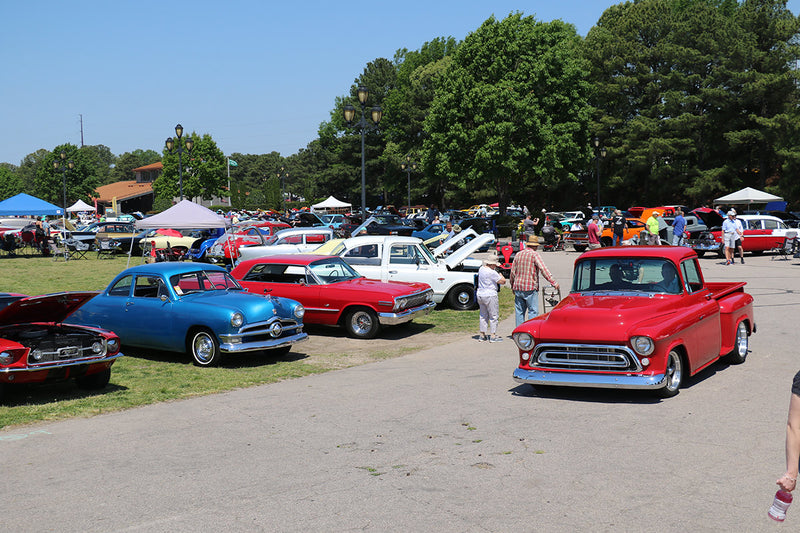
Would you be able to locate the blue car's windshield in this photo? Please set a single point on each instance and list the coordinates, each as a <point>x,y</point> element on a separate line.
<point>203,280</point>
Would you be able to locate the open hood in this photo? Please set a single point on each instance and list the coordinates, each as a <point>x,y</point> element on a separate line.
<point>710,217</point>
<point>442,249</point>
<point>48,308</point>
<point>457,257</point>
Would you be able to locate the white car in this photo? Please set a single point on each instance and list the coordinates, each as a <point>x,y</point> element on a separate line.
<point>288,241</point>
<point>768,222</point>
<point>396,258</point>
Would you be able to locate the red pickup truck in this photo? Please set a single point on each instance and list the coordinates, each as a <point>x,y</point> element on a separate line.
<point>636,318</point>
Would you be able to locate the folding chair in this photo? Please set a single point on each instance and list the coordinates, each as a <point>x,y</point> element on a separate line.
<point>58,252</point>
<point>788,246</point>
<point>76,249</point>
<point>106,248</point>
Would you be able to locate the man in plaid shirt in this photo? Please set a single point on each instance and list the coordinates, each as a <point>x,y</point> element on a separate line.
<point>525,280</point>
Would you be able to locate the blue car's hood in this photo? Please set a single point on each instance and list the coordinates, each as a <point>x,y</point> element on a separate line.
<point>250,304</point>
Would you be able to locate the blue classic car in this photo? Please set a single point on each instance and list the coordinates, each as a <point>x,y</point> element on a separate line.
<point>194,308</point>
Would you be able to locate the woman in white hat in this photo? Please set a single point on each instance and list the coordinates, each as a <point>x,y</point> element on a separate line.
<point>489,281</point>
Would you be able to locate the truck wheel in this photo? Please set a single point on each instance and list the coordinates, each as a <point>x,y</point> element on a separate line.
<point>95,381</point>
<point>673,375</point>
<point>362,323</point>
<point>579,247</point>
<point>740,345</point>
<point>204,348</point>
<point>462,297</point>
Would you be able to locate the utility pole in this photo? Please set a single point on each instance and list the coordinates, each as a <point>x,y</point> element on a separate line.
<point>81,130</point>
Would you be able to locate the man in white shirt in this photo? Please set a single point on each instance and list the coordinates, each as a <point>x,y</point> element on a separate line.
<point>730,232</point>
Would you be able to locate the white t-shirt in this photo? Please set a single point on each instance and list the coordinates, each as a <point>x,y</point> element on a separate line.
<point>487,281</point>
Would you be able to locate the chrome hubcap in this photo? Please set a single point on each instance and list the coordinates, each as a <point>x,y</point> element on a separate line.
<point>463,298</point>
<point>362,323</point>
<point>673,371</point>
<point>203,348</point>
<point>742,341</point>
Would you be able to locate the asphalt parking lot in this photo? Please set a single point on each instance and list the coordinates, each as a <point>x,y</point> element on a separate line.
<point>441,439</point>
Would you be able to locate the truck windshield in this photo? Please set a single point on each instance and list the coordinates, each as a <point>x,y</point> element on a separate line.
<point>626,275</point>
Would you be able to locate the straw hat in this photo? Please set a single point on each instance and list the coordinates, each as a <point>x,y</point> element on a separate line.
<point>533,241</point>
<point>492,261</point>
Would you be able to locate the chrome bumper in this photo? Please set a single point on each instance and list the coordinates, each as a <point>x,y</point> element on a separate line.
<point>263,345</point>
<point>605,381</point>
<point>390,319</point>
<point>61,364</point>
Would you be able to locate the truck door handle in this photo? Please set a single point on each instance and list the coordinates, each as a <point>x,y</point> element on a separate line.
<point>267,290</point>
<point>393,272</point>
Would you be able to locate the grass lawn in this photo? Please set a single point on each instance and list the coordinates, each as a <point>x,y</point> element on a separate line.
<point>143,377</point>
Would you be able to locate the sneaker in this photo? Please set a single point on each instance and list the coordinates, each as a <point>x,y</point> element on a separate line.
<point>483,338</point>
<point>742,260</point>
<point>496,339</point>
<point>727,263</point>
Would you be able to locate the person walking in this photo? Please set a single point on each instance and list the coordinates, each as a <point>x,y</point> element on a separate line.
<point>739,237</point>
<point>678,228</point>
<point>524,278</point>
<point>489,281</point>
<point>593,232</point>
<point>788,481</point>
<point>729,235</point>
<point>618,226</point>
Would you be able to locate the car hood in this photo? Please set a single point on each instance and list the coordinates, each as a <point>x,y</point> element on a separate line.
<point>586,317</point>
<point>390,288</point>
<point>710,217</point>
<point>254,306</point>
<point>457,257</point>
<point>48,308</point>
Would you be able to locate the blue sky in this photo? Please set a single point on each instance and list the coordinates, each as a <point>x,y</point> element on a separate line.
<point>259,76</point>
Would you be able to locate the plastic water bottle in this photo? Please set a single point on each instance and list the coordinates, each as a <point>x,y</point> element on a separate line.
<point>780,505</point>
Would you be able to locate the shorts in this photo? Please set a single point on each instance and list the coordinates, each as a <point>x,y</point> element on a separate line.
<point>730,240</point>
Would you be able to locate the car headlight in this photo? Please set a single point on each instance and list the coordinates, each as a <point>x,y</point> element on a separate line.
<point>112,346</point>
<point>299,311</point>
<point>97,347</point>
<point>6,358</point>
<point>523,340</point>
<point>237,320</point>
<point>642,345</point>
<point>37,354</point>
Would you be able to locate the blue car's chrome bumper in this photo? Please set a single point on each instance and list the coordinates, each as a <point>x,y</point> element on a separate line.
<point>270,344</point>
<point>606,381</point>
<point>390,319</point>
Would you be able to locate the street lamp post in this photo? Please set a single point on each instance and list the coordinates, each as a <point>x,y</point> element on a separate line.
<point>409,166</point>
<point>62,166</point>
<point>179,149</point>
<point>349,114</point>
<point>599,153</point>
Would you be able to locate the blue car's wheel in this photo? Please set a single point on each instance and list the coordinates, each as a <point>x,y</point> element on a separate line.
<point>204,348</point>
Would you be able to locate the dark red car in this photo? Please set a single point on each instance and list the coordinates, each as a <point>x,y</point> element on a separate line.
<point>335,294</point>
<point>36,347</point>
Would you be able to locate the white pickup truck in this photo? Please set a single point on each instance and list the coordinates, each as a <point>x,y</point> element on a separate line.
<point>395,258</point>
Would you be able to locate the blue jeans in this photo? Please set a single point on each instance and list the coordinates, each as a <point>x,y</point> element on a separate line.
<point>616,240</point>
<point>525,301</point>
<point>677,240</point>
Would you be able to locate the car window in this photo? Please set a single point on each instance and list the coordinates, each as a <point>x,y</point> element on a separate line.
<point>691,273</point>
<point>366,250</point>
<point>147,287</point>
<point>405,254</point>
<point>291,239</point>
<point>317,238</point>
<point>626,275</point>
<point>122,287</point>
<point>770,224</point>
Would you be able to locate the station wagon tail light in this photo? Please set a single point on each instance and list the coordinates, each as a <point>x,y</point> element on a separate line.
<point>524,341</point>
<point>237,320</point>
<point>299,311</point>
<point>642,345</point>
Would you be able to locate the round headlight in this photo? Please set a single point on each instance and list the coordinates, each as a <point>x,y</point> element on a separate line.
<point>112,345</point>
<point>524,341</point>
<point>97,347</point>
<point>6,358</point>
<point>642,345</point>
<point>36,354</point>
<point>299,311</point>
<point>276,329</point>
<point>237,320</point>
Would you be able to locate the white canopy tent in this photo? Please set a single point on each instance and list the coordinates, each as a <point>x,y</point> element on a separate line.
<point>748,196</point>
<point>183,215</point>
<point>79,206</point>
<point>331,205</point>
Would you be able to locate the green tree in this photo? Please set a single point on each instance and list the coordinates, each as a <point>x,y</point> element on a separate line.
<point>204,170</point>
<point>511,113</point>
<point>10,181</point>
<point>125,163</point>
<point>80,181</point>
<point>101,161</point>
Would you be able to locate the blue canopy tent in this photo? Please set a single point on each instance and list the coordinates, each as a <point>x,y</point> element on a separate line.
<point>27,205</point>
